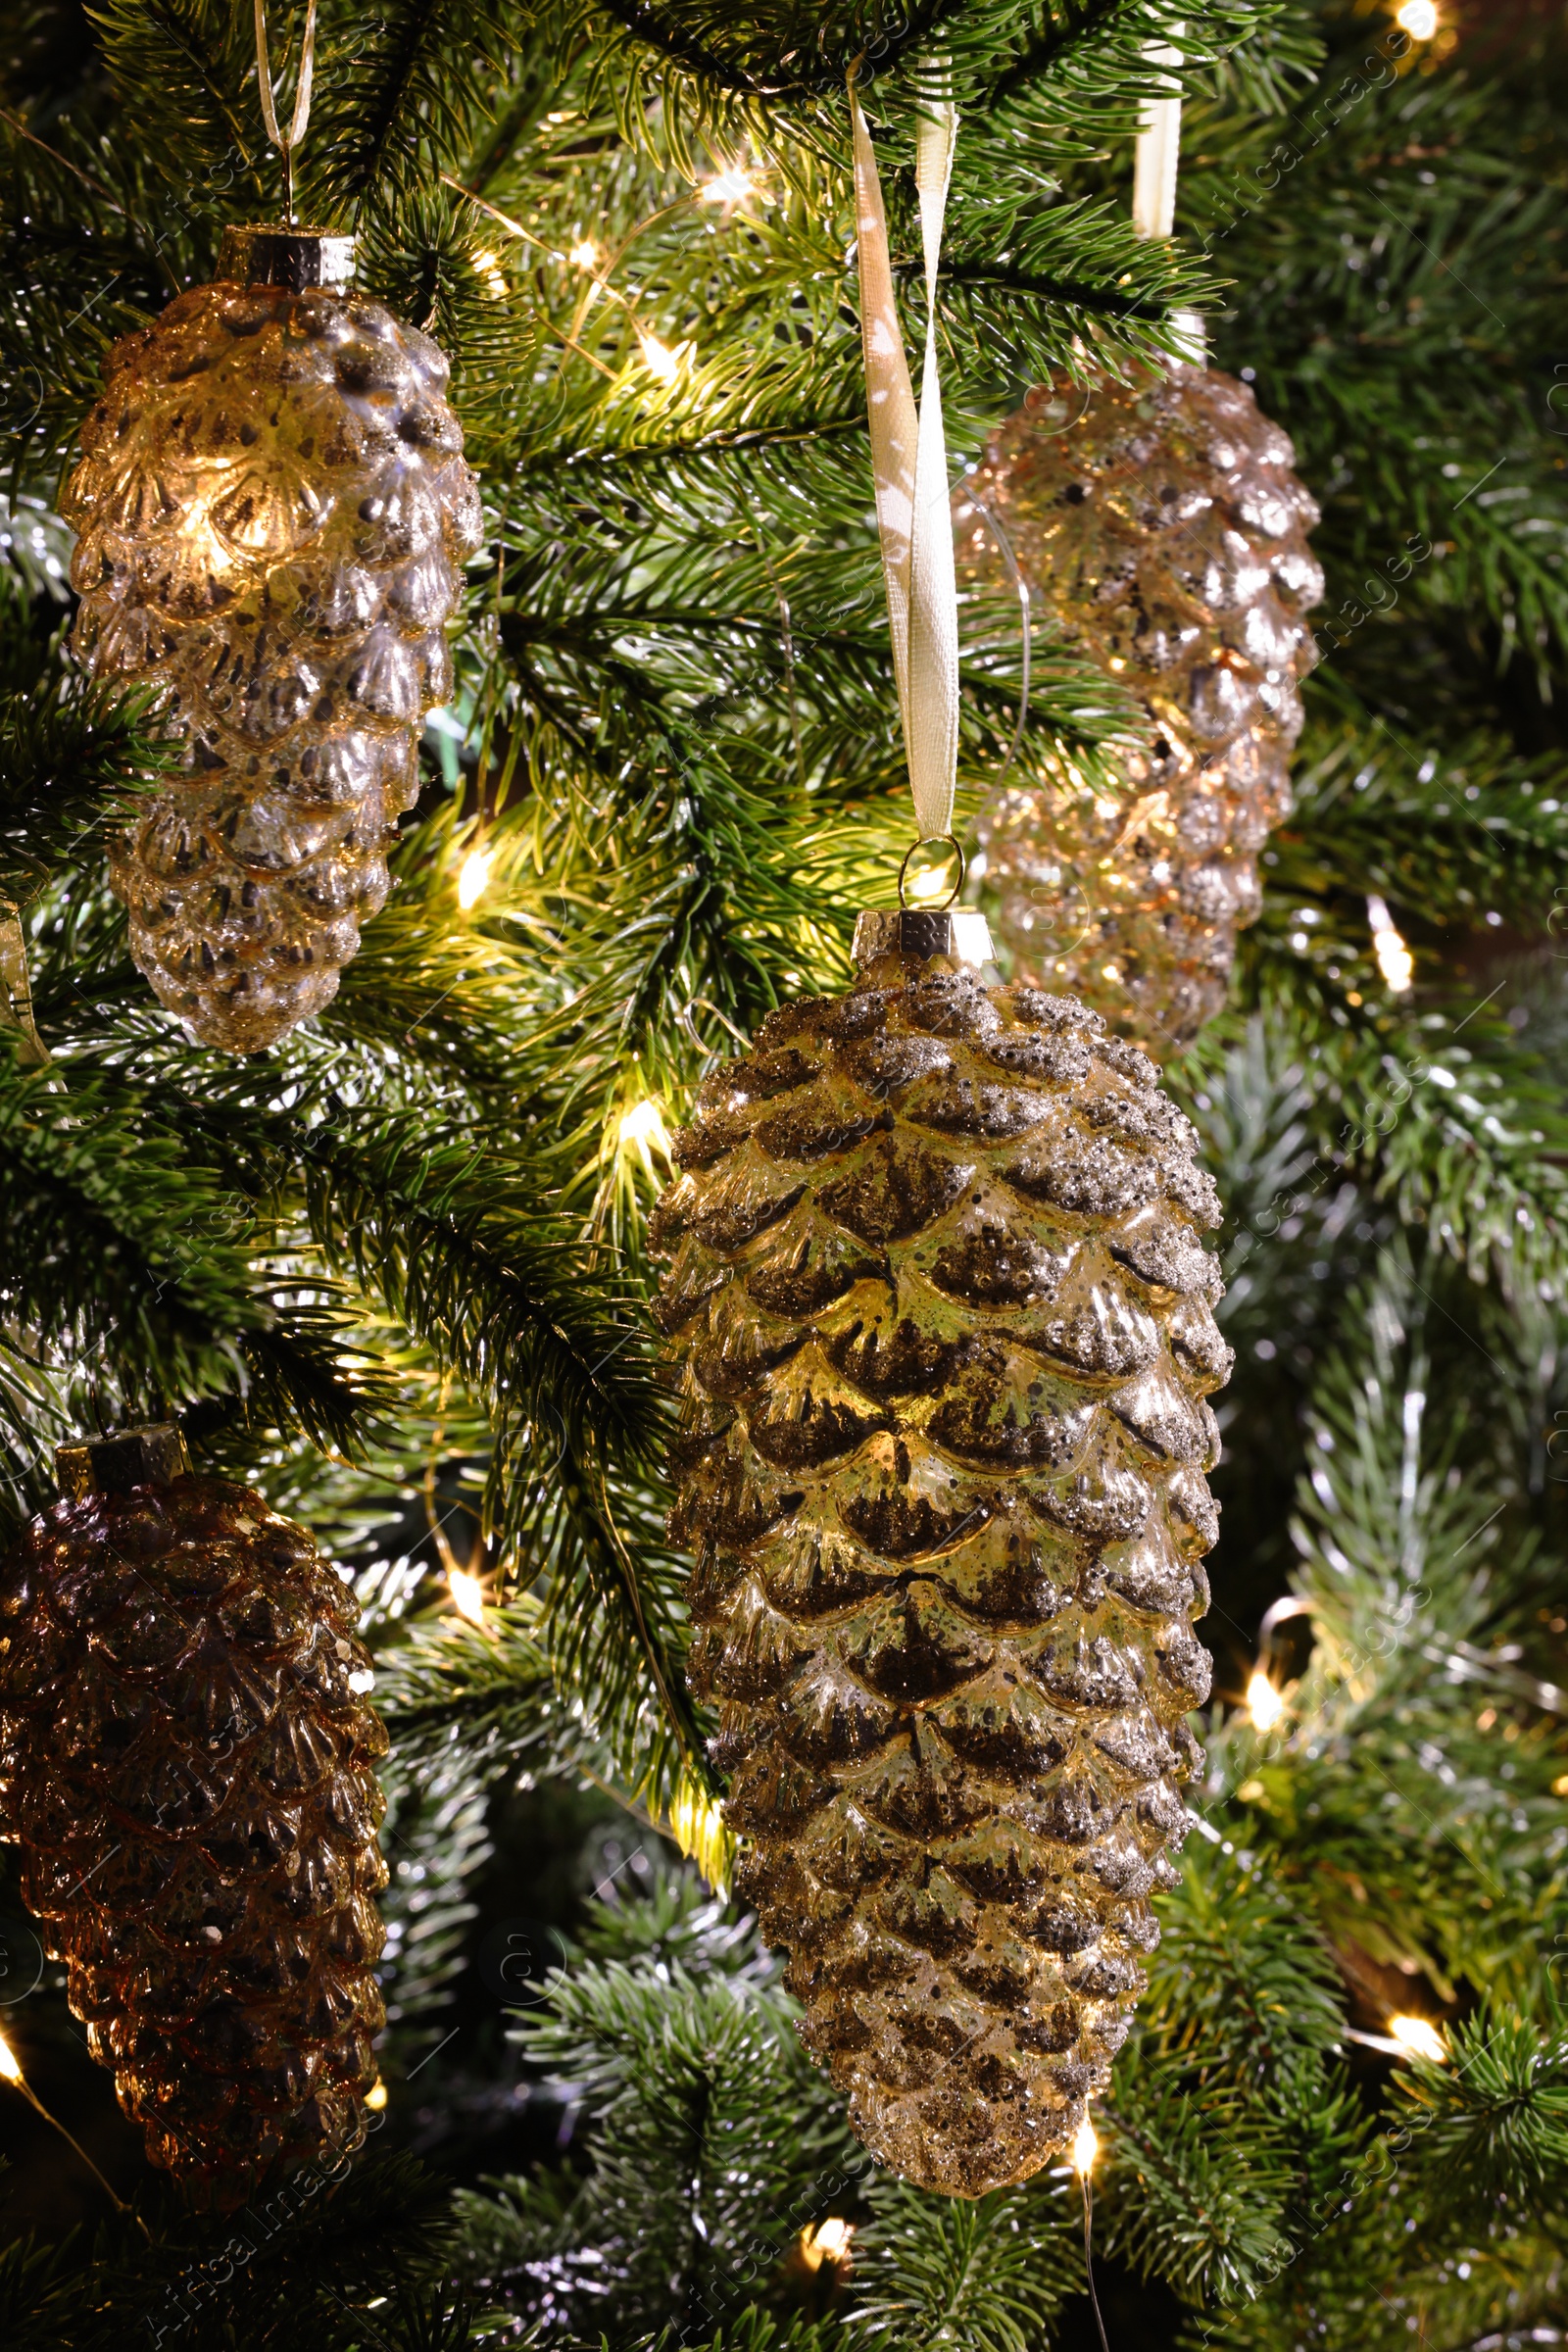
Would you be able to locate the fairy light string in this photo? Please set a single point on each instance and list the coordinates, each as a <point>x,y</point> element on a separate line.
<point>1085,2148</point>
<point>11,2073</point>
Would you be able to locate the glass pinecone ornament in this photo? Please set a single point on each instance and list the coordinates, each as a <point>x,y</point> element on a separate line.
<point>936,1275</point>
<point>1160,525</point>
<point>273,511</point>
<point>187,1765</point>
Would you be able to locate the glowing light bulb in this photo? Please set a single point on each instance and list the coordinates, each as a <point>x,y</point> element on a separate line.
<point>375,2096</point>
<point>726,187</point>
<point>829,2241</point>
<point>10,2069</point>
<point>584,253</point>
<point>1264,1703</point>
<point>472,877</point>
<point>1419,19</point>
<point>1111,971</point>
<point>1394,959</point>
<point>642,1130</point>
<point>1085,2148</point>
<point>1420,2037</point>
<point>489,268</point>
<point>467,1594</point>
<point>658,358</point>
<point>697,1825</point>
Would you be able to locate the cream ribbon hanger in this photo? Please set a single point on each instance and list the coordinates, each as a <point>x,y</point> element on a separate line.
<point>1154,162</point>
<point>909,460</point>
<point>1155,159</point>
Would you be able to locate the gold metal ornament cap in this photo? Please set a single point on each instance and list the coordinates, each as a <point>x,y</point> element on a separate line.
<point>292,257</point>
<point>960,933</point>
<point>152,1455</point>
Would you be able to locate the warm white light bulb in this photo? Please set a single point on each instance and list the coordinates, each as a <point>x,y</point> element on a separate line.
<point>375,2096</point>
<point>726,187</point>
<point>10,2070</point>
<point>1085,2148</point>
<point>1264,1703</point>
<point>1394,959</point>
<point>1420,2037</point>
<point>658,358</point>
<point>489,268</point>
<point>829,2241</point>
<point>472,877</point>
<point>584,253</point>
<point>643,1129</point>
<point>467,1594</point>
<point>1419,19</point>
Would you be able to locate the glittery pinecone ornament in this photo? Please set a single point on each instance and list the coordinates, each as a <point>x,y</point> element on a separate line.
<point>936,1274</point>
<point>187,1766</point>
<point>1160,523</point>
<point>274,510</point>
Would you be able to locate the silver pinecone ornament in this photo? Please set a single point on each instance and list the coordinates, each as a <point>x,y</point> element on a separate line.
<point>273,511</point>
<point>1160,524</point>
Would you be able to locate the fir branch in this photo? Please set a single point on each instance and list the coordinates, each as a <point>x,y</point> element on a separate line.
<point>75,758</point>
<point>397,101</point>
<point>990,2273</point>
<point>506,1297</point>
<point>1491,2122</point>
<point>159,1283</point>
<point>181,67</point>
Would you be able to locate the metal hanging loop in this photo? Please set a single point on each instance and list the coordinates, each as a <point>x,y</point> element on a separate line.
<point>924,842</point>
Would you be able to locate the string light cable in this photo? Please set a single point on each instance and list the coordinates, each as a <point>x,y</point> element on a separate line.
<point>1085,2148</point>
<point>11,2071</point>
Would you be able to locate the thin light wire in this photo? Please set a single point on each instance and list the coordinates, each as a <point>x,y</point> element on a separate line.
<point>1089,2258</point>
<point>20,2083</point>
<point>300,122</point>
<point>1025,615</point>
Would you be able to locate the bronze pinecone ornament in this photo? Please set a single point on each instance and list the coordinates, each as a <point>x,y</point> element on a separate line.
<point>273,511</point>
<point>1163,529</point>
<point>936,1275</point>
<point>189,1772</point>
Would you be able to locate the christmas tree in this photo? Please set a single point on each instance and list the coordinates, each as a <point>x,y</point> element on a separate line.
<point>393,1268</point>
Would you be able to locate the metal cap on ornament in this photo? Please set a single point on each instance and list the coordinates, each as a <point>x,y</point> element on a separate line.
<point>959,935</point>
<point>294,259</point>
<point>962,934</point>
<point>152,1455</point>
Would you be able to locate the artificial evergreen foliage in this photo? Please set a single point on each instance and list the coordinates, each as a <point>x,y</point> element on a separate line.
<point>394,1270</point>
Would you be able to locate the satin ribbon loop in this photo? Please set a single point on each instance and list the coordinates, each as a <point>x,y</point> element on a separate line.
<point>910,463</point>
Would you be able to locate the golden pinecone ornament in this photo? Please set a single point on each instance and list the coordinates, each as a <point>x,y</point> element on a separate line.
<point>187,1765</point>
<point>273,511</point>
<point>936,1275</point>
<point>1160,525</point>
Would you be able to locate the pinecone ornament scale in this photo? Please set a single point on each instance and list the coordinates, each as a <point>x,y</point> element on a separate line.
<point>188,1768</point>
<point>273,511</point>
<point>1160,525</point>
<point>937,1272</point>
